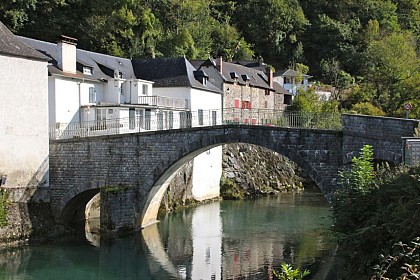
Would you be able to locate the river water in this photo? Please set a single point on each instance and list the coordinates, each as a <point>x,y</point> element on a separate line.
<point>220,240</point>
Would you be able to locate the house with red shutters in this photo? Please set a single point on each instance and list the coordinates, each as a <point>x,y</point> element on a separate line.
<point>250,94</point>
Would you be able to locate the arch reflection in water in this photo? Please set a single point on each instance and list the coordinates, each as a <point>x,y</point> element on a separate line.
<point>205,238</point>
<point>242,239</point>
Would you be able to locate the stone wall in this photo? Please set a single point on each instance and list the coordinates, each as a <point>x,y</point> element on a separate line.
<point>258,171</point>
<point>383,133</point>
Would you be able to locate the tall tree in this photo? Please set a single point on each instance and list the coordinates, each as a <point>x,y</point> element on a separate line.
<point>393,71</point>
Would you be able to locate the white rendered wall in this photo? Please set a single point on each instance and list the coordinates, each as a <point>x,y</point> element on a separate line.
<point>66,100</point>
<point>205,100</point>
<point>207,171</point>
<point>23,121</point>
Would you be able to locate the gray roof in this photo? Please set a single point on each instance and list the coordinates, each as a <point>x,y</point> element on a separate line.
<point>242,71</point>
<point>11,45</point>
<point>170,72</point>
<point>290,73</point>
<point>103,65</point>
<point>257,78</point>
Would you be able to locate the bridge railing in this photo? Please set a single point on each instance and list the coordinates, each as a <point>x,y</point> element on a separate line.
<point>283,118</point>
<point>180,119</point>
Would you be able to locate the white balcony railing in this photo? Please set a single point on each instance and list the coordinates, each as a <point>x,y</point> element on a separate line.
<point>164,102</point>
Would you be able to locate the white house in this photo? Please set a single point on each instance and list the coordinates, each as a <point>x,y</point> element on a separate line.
<point>93,94</point>
<point>178,79</point>
<point>23,117</point>
<point>292,80</point>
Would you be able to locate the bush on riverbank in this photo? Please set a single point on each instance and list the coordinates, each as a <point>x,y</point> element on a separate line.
<point>3,209</point>
<point>374,213</point>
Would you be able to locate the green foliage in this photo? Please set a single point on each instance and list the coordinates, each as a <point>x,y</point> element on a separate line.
<point>360,178</point>
<point>230,191</point>
<point>114,189</point>
<point>366,108</point>
<point>368,221</point>
<point>288,273</point>
<point>405,262</point>
<point>3,209</point>
<point>306,101</point>
<point>392,69</point>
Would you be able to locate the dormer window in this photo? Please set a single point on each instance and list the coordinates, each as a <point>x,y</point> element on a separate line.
<point>245,78</point>
<point>87,70</point>
<point>234,76</point>
<point>201,76</point>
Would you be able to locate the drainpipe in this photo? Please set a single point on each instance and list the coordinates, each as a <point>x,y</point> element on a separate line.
<point>130,92</point>
<point>80,103</point>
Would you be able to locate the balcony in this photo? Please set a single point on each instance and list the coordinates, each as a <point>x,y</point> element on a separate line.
<point>164,102</point>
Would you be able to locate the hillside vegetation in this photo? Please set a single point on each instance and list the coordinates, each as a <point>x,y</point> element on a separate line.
<point>366,49</point>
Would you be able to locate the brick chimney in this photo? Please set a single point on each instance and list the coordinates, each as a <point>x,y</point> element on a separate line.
<point>269,73</point>
<point>219,64</point>
<point>67,54</point>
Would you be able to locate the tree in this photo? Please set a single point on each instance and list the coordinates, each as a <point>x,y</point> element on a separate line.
<point>273,27</point>
<point>393,71</point>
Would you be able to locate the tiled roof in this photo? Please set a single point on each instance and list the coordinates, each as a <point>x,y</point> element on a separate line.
<point>289,73</point>
<point>103,65</point>
<point>11,45</point>
<point>257,78</point>
<point>170,72</point>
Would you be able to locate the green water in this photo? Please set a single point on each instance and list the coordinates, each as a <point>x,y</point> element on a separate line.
<point>221,240</point>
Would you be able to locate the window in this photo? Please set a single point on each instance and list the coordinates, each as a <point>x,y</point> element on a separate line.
<point>87,70</point>
<point>246,104</point>
<point>287,99</point>
<point>253,121</point>
<point>100,115</point>
<point>92,95</point>
<point>145,89</point>
<point>200,117</point>
<point>267,92</point>
<point>266,104</point>
<point>171,119</point>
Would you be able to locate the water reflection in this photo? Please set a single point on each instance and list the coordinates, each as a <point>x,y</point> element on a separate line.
<point>247,239</point>
<point>222,240</point>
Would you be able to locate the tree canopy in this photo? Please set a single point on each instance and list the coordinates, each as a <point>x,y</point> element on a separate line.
<point>368,50</point>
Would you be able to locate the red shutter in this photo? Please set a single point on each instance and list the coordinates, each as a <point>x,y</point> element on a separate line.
<point>253,121</point>
<point>249,105</point>
<point>246,121</point>
<point>243,104</point>
<point>236,103</point>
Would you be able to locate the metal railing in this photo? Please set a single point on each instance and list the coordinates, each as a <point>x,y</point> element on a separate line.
<point>164,102</point>
<point>175,120</point>
<point>269,117</point>
<point>153,122</point>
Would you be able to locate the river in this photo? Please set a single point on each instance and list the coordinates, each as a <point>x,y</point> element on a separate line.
<point>220,240</point>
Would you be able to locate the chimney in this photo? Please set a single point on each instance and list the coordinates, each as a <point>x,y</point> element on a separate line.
<point>269,72</point>
<point>67,54</point>
<point>219,64</point>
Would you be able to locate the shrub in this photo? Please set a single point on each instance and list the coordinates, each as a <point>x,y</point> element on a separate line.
<point>371,214</point>
<point>288,273</point>
<point>3,209</point>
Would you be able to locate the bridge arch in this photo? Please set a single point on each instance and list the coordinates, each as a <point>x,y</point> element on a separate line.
<point>159,179</point>
<point>73,203</point>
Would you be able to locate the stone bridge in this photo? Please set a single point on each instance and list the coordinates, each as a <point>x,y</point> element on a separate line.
<point>131,171</point>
